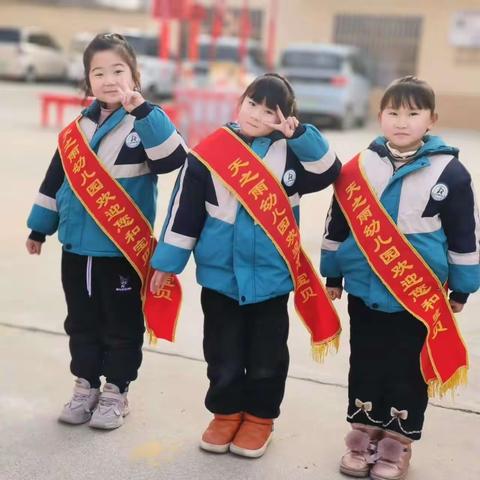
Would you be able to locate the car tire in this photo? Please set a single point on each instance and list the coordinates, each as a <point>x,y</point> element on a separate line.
<point>150,93</point>
<point>30,75</point>
<point>361,121</point>
<point>347,121</point>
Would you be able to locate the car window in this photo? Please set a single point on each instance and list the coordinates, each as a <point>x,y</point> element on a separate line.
<point>304,59</point>
<point>230,53</point>
<point>9,35</point>
<point>358,65</point>
<point>147,46</point>
<point>42,40</point>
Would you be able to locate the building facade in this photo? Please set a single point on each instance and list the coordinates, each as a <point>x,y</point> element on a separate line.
<point>436,40</point>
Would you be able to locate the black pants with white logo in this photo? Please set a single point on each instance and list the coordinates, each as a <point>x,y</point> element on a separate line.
<point>247,355</point>
<point>385,384</point>
<point>104,320</point>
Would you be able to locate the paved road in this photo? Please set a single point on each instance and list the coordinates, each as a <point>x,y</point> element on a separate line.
<point>32,310</point>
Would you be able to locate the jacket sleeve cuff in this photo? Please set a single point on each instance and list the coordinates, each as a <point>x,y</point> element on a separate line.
<point>459,297</point>
<point>37,236</point>
<point>300,130</point>
<point>142,110</point>
<point>169,258</point>
<point>335,282</point>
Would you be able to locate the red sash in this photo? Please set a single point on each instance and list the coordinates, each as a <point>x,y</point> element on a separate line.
<point>408,278</point>
<point>121,220</point>
<point>261,194</point>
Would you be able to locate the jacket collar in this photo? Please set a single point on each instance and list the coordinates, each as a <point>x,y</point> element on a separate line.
<point>93,113</point>
<point>433,145</point>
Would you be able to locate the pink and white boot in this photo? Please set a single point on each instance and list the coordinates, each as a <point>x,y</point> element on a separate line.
<point>393,457</point>
<point>361,443</point>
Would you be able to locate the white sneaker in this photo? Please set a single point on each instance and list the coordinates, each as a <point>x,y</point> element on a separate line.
<point>112,407</point>
<point>84,400</point>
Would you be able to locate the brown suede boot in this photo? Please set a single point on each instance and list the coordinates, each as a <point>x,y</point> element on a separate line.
<point>220,432</point>
<point>361,443</point>
<point>393,457</point>
<point>253,437</point>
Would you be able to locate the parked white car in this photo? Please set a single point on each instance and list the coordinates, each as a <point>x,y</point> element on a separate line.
<point>29,53</point>
<point>157,75</point>
<point>331,82</point>
<point>75,73</point>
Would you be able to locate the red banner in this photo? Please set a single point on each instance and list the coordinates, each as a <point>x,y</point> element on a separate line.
<point>122,221</point>
<point>262,195</point>
<point>408,278</point>
<point>175,9</point>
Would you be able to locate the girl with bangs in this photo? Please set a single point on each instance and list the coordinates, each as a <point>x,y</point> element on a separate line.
<point>132,141</point>
<point>245,281</point>
<point>404,341</point>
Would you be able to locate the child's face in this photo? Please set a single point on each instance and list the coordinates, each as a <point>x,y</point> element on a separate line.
<point>404,127</point>
<point>251,118</point>
<point>107,72</point>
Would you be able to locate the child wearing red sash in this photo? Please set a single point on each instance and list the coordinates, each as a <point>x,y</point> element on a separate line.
<point>132,141</point>
<point>245,280</point>
<point>426,194</point>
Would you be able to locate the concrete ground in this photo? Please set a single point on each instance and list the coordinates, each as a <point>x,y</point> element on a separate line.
<point>159,439</point>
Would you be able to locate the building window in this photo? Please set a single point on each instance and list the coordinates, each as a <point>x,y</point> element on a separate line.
<point>391,43</point>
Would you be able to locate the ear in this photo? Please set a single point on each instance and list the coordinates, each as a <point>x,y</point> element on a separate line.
<point>86,86</point>
<point>433,121</point>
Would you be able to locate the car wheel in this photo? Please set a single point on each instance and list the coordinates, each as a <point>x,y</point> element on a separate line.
<point>361,121</point>
<point>150,92</point>
<point>348,120</point>
<point>30,75</point>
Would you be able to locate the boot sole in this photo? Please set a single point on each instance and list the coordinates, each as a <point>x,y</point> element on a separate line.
<point>68,421</point>
<point>213,448</point>
<point>378,477</point>
<point>353,473</point>
<point>245,452</point>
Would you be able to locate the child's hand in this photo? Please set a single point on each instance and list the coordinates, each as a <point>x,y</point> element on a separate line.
<point>33,247</point>
<point>130,99</point>
<point>287,125</point>
<point>335,292</point>
<point>158,280</point>
<point>456,307</point>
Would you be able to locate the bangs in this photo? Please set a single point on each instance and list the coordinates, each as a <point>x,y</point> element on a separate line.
<point>272,91</point>
<point>413,96</point>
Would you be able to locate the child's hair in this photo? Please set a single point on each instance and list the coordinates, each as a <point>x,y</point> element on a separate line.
<point>117,43</point>
<point>409,92</point>
<point>275,90</point>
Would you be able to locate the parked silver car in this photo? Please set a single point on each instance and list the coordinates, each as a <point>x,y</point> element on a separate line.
<point>30,54</point>
<point>158,76</point>
<point>330,81</point>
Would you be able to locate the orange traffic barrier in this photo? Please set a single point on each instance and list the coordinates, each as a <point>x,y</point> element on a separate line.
<point>60,101</point>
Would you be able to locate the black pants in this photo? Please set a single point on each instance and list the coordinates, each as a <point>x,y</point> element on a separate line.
<point>247,354</point>
<point>385,384</point>
<point>104,320</point>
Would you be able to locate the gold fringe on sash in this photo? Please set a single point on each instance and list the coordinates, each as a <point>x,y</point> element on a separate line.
<point>438,389</point>
<point>321,350</point>
<point>152,339</point>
